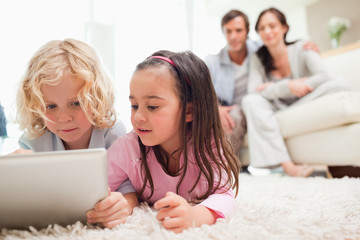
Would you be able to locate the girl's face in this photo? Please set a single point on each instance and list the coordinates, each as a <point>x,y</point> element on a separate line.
<point>67,119</point>
<point>155,108</point>
<point>271,30</point>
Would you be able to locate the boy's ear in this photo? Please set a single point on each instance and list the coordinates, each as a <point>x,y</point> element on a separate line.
<point>189,112</point>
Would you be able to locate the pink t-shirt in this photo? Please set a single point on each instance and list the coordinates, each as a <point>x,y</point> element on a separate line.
<point>124,162</point>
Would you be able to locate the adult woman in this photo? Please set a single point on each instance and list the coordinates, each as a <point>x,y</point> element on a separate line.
<point>282,74</point>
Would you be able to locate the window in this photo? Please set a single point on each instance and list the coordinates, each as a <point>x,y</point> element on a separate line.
<point>122,32</point>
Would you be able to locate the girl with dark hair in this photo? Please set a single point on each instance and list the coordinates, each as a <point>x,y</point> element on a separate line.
<point>177,156</point>
<point>282,74</point>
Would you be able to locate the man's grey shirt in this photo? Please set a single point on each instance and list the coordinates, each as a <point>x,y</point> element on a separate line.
<point>225,74</point>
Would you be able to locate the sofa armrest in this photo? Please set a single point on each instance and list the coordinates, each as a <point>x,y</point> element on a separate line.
<point>326,112</point>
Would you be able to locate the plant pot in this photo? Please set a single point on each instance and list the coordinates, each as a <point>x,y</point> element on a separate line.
<point>335,42</point>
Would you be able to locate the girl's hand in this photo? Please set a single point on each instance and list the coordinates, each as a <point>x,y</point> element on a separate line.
<point>262,86</point>
<point>176,214</point>
<point>299,88</point>
<point>113,210</point>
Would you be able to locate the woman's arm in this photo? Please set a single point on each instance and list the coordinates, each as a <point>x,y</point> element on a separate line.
<point>269,90</point>
<point>316,67</point>
<point>256,74</point>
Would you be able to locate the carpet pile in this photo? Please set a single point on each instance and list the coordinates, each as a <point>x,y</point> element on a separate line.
<point>267,207</point>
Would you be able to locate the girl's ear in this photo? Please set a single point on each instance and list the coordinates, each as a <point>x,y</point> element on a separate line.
<point>189,112</point>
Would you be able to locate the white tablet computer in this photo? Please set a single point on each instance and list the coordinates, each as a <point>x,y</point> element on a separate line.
<point>51,187</point>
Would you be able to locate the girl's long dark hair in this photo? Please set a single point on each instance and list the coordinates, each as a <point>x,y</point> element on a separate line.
<point>263,52</point>
<point>204,134</point>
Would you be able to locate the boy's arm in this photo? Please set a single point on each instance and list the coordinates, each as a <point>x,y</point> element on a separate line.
<point>113,210</point>
<point>132,200</point>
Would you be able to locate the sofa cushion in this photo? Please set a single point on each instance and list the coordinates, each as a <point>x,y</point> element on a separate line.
<point>328,111</point>
<point>337,146</point>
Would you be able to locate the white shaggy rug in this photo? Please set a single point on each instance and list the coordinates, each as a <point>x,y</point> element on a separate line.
<point>268,207</point>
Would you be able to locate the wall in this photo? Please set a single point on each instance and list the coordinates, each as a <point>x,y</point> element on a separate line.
<point>319,13</point>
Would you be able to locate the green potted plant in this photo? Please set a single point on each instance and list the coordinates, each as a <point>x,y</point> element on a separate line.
<point>336,27</point>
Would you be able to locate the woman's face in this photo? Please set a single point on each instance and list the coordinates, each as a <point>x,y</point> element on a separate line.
<point>271,30</point>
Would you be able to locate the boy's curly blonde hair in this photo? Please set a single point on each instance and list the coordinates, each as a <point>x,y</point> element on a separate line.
<point>49,65</point>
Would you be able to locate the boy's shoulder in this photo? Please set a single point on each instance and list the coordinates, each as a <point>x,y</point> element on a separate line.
<point>113,133</point>
<point>119,128</point>
<point>46,142</point>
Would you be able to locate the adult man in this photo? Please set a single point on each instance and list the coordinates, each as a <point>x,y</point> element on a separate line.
<point>229,71</point>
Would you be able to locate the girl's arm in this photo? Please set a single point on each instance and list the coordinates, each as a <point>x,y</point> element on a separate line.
<point>176,214</point>
<point>220,203</point>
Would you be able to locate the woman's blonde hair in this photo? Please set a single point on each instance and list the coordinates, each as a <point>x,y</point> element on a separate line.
<point>49,65</point>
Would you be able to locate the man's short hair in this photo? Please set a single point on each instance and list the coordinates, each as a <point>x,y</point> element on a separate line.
<point>233,14</point>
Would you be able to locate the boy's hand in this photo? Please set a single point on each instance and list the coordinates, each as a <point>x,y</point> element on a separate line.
<point>176,214</point>
<point>21,150</point>
<point>113,210</point>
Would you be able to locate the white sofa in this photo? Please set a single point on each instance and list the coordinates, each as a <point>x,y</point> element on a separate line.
<point>326,131</point>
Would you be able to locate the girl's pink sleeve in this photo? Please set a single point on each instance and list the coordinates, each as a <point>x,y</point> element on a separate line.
<point>223,203</point>
<point>116,163</point>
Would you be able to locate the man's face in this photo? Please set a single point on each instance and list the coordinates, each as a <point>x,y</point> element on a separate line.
<point>236,33</point>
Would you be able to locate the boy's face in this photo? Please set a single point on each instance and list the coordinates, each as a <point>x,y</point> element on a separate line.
<point>67,119</point>
<point>155,108</point>
<point>236,34</point>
